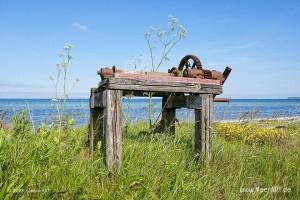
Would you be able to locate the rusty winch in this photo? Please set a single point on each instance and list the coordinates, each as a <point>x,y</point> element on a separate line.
<point>196,70</point>
<point>185,69</point>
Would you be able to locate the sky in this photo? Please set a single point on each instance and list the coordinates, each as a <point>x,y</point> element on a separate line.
<point>260,40</point>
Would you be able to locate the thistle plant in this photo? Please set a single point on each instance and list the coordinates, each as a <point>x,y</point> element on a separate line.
<point>164,41</point>
<point>61,75</point>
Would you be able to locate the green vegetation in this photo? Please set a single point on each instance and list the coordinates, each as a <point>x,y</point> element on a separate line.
<point>47,164</point>
<point>62,119</point>
<point>164,42</point>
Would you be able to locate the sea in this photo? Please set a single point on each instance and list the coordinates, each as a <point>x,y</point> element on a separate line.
<point>136,109</point>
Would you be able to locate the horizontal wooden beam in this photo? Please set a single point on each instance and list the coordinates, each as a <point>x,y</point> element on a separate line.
<point>134,93</point>
<point>160,86</point>
<point>190,101</point>
<point>97,98</point>
<point>163,77</point>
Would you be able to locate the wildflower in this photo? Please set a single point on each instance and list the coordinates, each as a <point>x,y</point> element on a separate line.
<point>146,35</point>
<point>183,32</point>
<point>173,19</point>
<point>251,134</point>
<point>68,46</point>
<point>160,33</point>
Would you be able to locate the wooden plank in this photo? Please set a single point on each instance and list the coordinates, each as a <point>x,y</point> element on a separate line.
<point>112,130</point>
<point>184,101</point>
<point>203,121</point>
<point>142,93</point>
<point>97,98</point>
<point>194,101</point>
<point>167,118</point>
<point>167,77</point>
<point>160,86</point>
<point>123,74</point>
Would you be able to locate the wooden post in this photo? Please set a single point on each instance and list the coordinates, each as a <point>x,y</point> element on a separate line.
<point>112,141</point>
<point>203,121</point>
<point>95,127</point>
<point>167,118</point>
<point>96,120</point>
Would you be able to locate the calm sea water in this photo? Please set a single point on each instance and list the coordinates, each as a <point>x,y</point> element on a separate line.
<point>43,111</point>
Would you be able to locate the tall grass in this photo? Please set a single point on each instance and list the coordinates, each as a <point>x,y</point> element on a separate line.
<point>48,165</point>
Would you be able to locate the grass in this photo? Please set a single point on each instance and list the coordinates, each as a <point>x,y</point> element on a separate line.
<point>53,165</point>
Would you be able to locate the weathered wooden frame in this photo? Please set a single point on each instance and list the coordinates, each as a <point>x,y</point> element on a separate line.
<point>106,112</point>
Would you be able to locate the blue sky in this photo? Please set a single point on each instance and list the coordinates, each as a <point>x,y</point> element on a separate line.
<point>260,40</point>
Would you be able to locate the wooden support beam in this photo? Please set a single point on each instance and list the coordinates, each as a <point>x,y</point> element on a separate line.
<point>112,141</point>
<point>176,102</point>
<point>204,86</point>
<point>203,122</point>
<point>96,120</point>
<point>142,93</point>
<point>97,98</point>
<point>167,118</point>
<point>95,127</point>
<point>184,101</point>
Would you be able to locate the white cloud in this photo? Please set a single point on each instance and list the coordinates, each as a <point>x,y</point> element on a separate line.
<point>79,26</point>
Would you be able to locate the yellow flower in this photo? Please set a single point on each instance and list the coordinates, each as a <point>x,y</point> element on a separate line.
<point>250,133</point>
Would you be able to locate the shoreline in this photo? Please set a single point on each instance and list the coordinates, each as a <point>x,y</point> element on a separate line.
<point>287,119</point>
<point>282,119</point>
